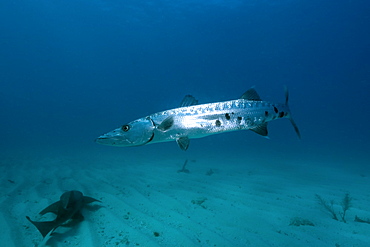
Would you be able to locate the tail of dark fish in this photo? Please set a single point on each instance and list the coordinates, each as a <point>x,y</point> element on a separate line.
<point>44,227</point>
<point>290,115</point>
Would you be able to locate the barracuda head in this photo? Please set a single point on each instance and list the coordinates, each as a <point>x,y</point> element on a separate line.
<point>135,133</point>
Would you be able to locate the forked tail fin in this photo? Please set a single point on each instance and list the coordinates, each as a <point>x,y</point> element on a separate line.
<point>290,115</point>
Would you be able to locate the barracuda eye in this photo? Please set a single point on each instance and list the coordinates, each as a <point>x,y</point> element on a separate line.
<point>125,128</point>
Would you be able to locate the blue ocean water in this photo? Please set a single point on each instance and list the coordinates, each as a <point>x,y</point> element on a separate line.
<point>73,70</point>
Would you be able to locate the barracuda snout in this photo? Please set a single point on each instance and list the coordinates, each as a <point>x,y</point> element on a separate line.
<point>135,133</point>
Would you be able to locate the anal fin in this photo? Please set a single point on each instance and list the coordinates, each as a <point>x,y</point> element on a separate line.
<point>260,129</point>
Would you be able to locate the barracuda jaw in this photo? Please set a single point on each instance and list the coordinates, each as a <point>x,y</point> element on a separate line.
<point>135,133</point>
<point>113,138</point>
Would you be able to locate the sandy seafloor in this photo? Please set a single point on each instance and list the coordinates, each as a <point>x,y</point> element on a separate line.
<point>245,202</point>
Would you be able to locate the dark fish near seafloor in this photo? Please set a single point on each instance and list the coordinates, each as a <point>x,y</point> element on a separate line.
<point>67,208</point>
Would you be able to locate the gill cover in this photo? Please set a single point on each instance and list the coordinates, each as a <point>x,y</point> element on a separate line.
<point>136,133</point>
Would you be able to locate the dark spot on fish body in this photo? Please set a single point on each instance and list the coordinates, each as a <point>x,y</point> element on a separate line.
<point>218,123</point>
<point>276,109</point>
<point>281,114</point>
<point>227,116</point>
<point>266,113</point>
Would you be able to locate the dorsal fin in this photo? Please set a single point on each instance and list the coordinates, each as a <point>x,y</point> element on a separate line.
<point>251,94</point>
<point>188,100</point>
<point>261,129</point>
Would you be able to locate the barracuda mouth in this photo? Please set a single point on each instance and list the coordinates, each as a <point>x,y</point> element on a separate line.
<point>106,140</point>
<point>112,141</point>
<point>135,133</point>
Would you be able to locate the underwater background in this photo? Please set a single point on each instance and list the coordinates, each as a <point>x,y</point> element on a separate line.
<point>73,70</point>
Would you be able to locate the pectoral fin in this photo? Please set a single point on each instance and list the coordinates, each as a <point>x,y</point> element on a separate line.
<point>52,208</point>
<point>88,199</point>
<point>183,142</point>
<point>166,123</point>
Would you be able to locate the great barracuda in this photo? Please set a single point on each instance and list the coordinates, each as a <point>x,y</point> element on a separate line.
<point>193,120</point>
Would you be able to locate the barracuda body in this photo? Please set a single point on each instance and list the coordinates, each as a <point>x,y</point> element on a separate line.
<point>192,120</point>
